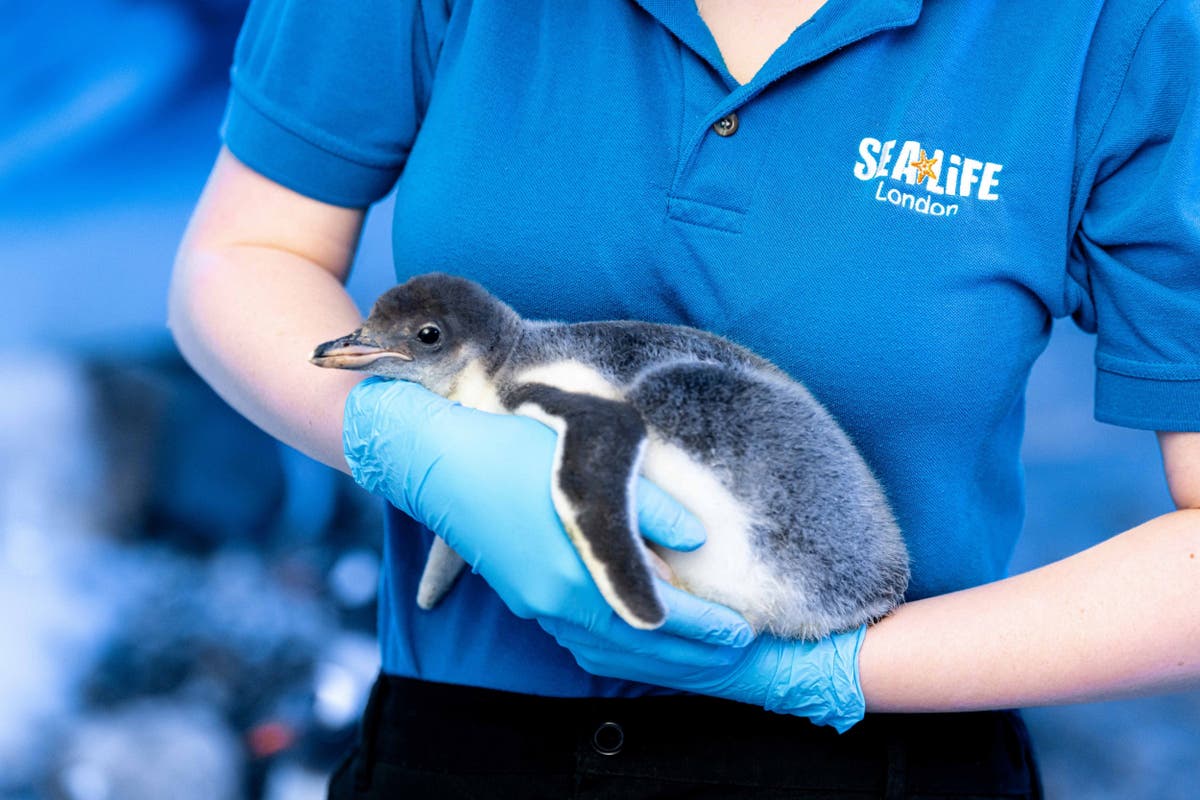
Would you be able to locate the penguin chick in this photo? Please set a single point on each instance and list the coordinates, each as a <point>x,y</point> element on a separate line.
<point>800,538</point>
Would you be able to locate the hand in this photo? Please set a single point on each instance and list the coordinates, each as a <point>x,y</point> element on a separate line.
<point>482,482</point>
<point>818,680</point>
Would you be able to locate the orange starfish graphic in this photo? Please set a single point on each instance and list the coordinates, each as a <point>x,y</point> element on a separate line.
<point>924,166</point>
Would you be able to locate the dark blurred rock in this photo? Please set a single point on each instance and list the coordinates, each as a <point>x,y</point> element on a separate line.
<point>222,630</point>
<point>181,464</point>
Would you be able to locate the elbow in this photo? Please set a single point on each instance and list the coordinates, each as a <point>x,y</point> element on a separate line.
<point>1181,465</point>
<point>1184,489</point>
<point>1186,497</point>
<point>180,297</point>
<point>1186,502</point>
<point>191,296</point>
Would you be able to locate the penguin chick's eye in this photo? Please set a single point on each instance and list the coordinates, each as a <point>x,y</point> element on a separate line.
<point>429,335</point>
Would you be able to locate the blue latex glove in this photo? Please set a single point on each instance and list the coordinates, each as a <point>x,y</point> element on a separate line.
<point>818,680</point>
<point>482,482</point>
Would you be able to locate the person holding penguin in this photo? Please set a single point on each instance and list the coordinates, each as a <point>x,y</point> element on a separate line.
<point>757,170</point>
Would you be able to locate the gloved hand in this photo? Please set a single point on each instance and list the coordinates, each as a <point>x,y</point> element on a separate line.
<point>482,482</point>
<point>818,680</point>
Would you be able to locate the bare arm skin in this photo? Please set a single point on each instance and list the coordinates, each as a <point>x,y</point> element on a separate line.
<point>1117,620</point>
<point>257,284</point>
<point>1181,461</point>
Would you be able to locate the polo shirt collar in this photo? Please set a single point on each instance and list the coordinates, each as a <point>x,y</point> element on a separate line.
<point>835,25</point>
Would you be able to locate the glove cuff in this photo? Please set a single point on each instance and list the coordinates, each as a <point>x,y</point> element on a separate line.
<point>378,441</point>
<point>359,427</point>
<point>819,680</point>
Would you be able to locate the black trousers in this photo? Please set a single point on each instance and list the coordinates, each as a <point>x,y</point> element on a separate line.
<point>428,740</point>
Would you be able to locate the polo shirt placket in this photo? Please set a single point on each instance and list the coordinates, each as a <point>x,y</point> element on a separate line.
<point>726,129</point>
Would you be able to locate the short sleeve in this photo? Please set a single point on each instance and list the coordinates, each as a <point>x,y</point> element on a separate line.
<point>1136,251</point>
<point>327,96</point>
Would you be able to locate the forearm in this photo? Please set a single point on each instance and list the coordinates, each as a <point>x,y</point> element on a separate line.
<point>246,318</point>
<point>1119,619</point>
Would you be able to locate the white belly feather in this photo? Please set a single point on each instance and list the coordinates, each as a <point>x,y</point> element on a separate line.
<point>474,389</point>
<point>725,568</point>
<point>571,376</point>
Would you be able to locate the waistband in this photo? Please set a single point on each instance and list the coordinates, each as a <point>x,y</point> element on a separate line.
<point>462,730</point>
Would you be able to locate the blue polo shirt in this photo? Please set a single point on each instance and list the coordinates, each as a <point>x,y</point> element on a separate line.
<point>893,210</point>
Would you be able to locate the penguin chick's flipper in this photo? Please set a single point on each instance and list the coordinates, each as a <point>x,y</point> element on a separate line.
<point>596,464</point>
<point>442,568</point>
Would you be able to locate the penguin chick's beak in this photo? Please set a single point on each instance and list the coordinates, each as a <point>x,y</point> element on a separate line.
<point>355,351</point>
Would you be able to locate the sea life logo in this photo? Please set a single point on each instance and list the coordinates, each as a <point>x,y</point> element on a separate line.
<point>917,180</point>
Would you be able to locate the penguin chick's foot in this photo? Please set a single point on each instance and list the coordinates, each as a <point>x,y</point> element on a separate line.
<point>442,568</point>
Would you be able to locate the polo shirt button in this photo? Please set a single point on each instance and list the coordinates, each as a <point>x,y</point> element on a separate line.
<point>608,739</point>
<point>727,125</point>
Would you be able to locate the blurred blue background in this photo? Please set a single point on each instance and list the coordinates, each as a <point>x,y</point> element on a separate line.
<point>187,605</point>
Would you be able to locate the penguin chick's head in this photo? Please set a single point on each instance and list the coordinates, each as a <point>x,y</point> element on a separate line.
<point>427,330</point>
